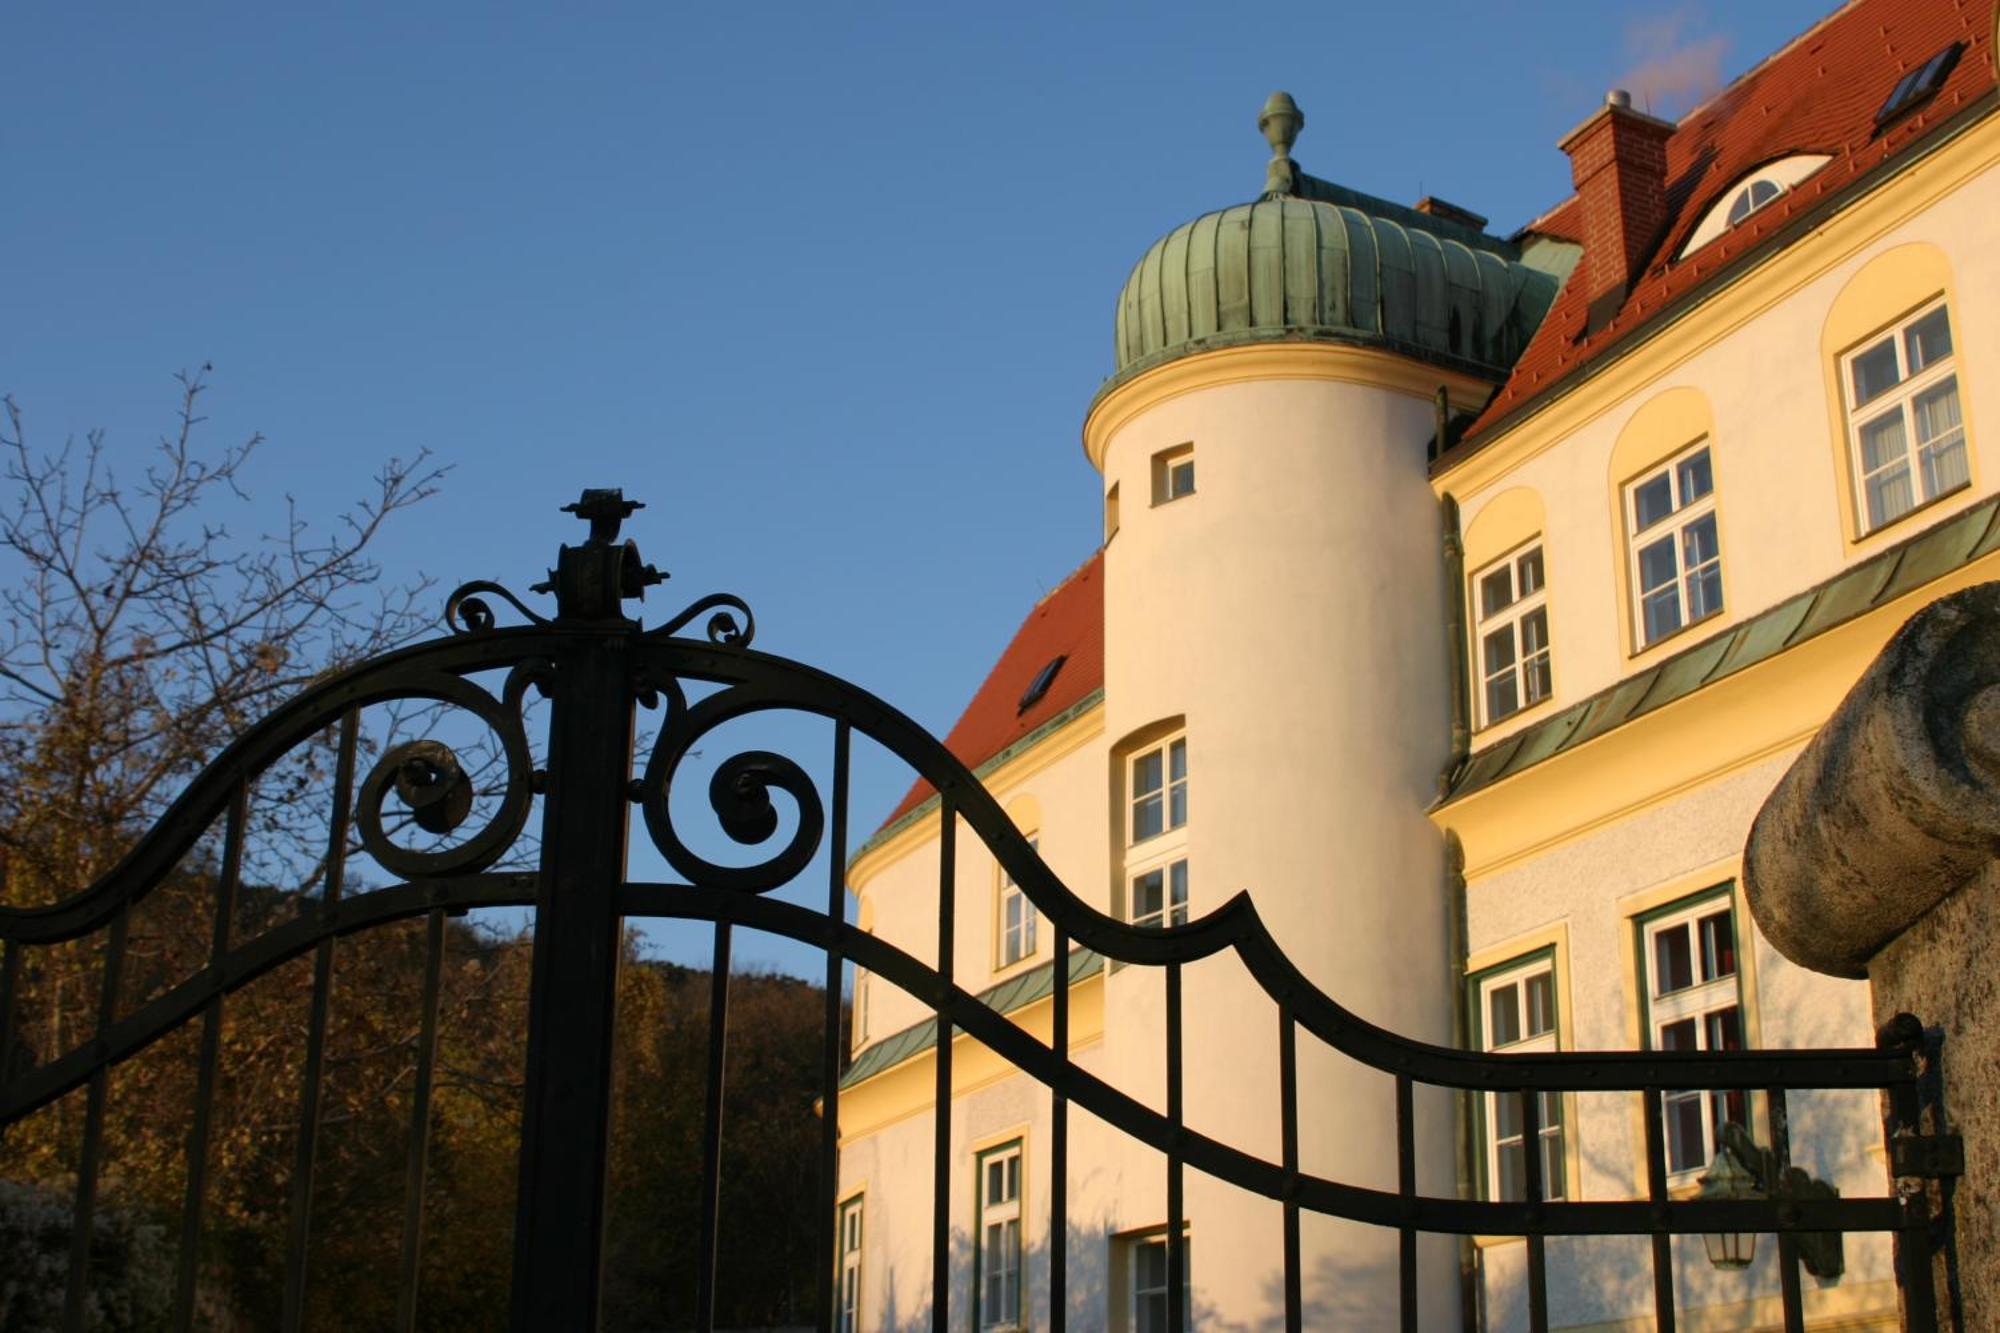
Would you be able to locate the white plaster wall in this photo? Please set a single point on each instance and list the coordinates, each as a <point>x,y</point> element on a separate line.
<point>903,895</point>
<point>1780,499</point>
<point>1292,609</point>
<point>1696,838</point>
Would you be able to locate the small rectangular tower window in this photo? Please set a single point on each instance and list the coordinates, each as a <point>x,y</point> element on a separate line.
<point>1159,789</point>
<point>1692,996</point>
<point>1510,608</point>
<point>997,1252</point>
<point>1173,473</point>
<point>1160,895</point>
<point>1676,554</point>
<point>1905,430</point>
<point>1111,512</point>
<point>1156,817</point>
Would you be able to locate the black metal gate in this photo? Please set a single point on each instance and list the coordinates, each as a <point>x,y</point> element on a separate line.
<point>596,668</point>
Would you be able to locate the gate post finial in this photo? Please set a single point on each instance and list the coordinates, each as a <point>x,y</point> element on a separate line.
<point>590,581</point>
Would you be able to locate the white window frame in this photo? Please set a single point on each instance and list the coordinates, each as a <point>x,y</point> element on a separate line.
<point>1162,848</point>
<point>1170,795</point>
<point>1015,938</point>
<point>1918,459</point>
<point>1510,619</point>
<point>1173,888</point>
<point>1135,1294</point>
<point>848,1290</point>
<point>1707,1003</point>
<point>1173,474</point>
<point>1686,514</point>
<point>1008,1217</point>
<point>1490,983</point>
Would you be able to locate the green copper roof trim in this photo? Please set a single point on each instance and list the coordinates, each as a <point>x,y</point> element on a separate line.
<point>1882,578</point>
<point>1344,268</point>
<point>929,803</point>
<point>1016,992</point>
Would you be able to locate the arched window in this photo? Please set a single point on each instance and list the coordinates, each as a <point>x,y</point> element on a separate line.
<point>1753,192</point>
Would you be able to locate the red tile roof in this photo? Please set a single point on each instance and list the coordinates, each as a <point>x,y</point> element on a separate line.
<point>1068,622</point>
<point>1817,95</point>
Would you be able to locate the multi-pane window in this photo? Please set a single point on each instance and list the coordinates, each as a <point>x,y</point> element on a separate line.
<point>1513,629</point>
<point>1017,918</point>
<point>1159,789</point>
<point>1517,1009</point>
<point>1676,554</point>
<point>1173,473</point>
<point>1160,895</point>
<point>1149,1284</point>
<point>850,1266</point>
<point>1904,423</point>
<point>1694,1002</point>
<point>1156,864</point>
<point>997,1280</point>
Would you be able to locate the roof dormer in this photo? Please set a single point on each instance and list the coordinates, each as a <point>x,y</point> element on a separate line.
<point>1751,193</point>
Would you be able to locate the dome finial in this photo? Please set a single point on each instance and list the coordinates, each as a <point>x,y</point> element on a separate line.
<point>1280,120</point>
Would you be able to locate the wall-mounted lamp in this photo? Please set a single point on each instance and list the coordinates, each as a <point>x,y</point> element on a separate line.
<point>1743,1169</point>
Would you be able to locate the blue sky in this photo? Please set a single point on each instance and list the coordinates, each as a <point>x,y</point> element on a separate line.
<point>829,287</point>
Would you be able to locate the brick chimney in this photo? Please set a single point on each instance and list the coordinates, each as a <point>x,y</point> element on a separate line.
<point>1618,160</point>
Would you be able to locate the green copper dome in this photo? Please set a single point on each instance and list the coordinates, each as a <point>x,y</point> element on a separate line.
<point>1313,261</point>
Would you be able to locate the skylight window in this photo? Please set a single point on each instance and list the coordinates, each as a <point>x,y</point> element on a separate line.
<point>1039,686</point>
<point>1919,83</point>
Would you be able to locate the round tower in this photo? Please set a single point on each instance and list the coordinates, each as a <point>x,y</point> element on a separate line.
<point>1276,603</point>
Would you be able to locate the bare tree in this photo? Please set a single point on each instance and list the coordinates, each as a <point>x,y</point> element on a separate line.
<point>138,635</point>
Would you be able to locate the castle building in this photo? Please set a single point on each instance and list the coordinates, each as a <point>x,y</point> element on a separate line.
<point>1460,599</point>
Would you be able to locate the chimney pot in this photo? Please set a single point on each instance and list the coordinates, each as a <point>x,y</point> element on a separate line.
<point>1618,161</point>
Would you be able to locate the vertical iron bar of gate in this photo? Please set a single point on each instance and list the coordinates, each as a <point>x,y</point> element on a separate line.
<point>299,1238</point>
<point>573,992</point>
<point>1176,1203</point>
<point>941,1141</point>
<point>188,1261</point>
<point>1656,1194</point>
<point>1288,1096</point>
<point>1059,1143</point>
<point>82,1218</point>
<point>829,1070</point>
<point>711,1130</point>
<point>418,1166</point>
<point>1406,1189</point>
<point>1913,1259</point>
<point>1532,1190</point>
<point>1788,1241</point>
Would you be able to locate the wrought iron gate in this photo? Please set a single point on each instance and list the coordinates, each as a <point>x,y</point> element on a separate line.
<point>596,667</point>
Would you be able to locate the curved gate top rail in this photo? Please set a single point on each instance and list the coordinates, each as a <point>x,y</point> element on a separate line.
<point>596,667</point>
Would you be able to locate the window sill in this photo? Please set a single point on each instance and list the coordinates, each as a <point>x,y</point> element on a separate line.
<point>1027,962</point>
<point>1959,491</point>
<point>1499,725</point>
<point>1713,620</point>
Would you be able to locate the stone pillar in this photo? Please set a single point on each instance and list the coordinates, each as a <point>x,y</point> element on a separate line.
<point>1875,856</point>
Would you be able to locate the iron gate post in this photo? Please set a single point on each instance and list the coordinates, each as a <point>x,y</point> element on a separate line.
<point>566,1110</point>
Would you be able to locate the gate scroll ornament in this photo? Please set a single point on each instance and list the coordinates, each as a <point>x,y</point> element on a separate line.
<point>597,667</point>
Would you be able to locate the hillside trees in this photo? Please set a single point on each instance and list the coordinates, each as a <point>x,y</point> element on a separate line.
<point>138,635</point>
